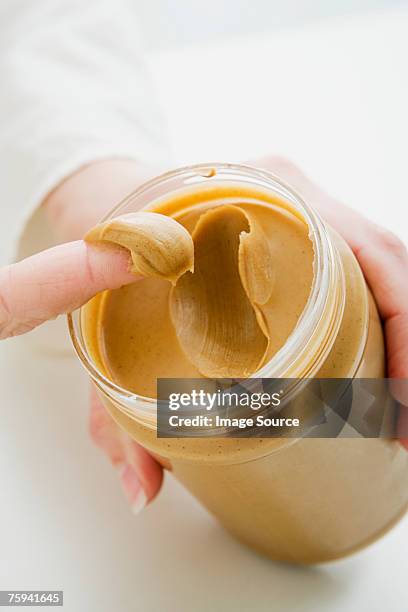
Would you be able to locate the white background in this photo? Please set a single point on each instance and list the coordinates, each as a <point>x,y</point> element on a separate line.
<point>331,94</point>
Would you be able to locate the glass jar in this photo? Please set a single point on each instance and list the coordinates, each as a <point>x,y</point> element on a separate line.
<point>303,500</point>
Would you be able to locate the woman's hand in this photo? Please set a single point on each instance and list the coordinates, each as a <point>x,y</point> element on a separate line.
<point>73,208</point>
<point>61,279</point>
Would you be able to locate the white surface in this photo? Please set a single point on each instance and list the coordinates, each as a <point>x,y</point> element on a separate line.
<point>335,100</point>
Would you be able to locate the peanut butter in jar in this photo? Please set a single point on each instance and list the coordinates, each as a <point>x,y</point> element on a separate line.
<point>238,277</point>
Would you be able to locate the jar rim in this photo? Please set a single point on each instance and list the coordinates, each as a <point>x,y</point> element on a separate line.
<point>326,300</point>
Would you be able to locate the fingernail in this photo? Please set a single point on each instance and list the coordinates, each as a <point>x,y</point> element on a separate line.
<point>133,488</point>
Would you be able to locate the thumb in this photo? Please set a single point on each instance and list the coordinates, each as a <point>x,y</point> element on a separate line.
<point>57,281</point>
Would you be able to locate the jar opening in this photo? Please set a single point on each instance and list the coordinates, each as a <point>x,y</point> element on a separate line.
<point>310,342</point>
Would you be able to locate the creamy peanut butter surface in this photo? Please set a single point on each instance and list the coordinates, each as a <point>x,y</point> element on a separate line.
<point>220,288</point>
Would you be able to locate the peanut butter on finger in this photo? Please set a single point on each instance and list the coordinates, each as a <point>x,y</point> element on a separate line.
<point>159,246</point>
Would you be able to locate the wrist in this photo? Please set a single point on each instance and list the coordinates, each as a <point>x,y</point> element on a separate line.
<point>80,201</point>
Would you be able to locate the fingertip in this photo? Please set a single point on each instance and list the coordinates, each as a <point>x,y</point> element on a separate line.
<point>148,470</point>
<point>133,488</point>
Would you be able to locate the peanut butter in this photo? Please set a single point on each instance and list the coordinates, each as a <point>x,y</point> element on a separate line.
<point>159,246</point>
<point>226,311</point>
<point>242,275</point>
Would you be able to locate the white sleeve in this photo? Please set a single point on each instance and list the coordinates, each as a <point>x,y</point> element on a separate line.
<point>73,89</point>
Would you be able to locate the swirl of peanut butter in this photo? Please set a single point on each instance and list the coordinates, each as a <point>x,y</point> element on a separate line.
<point>222,275</point>
<point>215,309</point>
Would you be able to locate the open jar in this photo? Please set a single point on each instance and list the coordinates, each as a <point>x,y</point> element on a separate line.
<point>303,500</point>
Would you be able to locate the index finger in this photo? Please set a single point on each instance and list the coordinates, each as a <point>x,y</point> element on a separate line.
<point>58,281</point>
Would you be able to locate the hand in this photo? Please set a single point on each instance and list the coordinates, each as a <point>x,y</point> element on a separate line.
<point>73,208</point>
<point>63,278</point>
